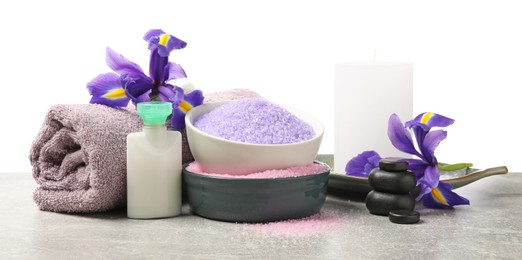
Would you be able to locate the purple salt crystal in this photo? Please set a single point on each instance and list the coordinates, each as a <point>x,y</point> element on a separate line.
<point>254,120</point>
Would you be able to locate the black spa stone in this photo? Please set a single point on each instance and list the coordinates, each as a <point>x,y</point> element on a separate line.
<point>381,203</point>
<point>394,182</point>
<point>404,216</point>
<point>392,165</point>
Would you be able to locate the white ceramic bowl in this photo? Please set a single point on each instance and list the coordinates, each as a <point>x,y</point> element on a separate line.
<point>224,156</point>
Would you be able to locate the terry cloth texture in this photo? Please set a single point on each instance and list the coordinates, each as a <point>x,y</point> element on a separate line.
<point>79,156</point>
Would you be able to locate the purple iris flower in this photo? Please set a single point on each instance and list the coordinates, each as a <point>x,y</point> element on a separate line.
<point>436,194</point>
<point>131,83</point>
<point>362,164</point>
<point>426,168</point>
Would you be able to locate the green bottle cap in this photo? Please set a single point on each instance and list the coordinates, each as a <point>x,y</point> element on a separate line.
<point>154,113</point>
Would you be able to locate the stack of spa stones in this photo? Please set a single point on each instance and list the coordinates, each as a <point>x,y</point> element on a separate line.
<point>392,184</point>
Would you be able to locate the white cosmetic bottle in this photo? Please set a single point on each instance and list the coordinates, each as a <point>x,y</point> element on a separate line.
<point>154,165</point>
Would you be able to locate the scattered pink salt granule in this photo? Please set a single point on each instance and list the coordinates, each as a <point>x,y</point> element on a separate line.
<point>325,221</point>
<point>296,171</point>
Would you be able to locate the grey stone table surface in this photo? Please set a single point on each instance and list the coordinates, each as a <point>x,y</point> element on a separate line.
<point>491,228</point>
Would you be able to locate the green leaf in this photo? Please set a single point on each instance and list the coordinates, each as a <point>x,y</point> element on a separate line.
<point>454,167</point>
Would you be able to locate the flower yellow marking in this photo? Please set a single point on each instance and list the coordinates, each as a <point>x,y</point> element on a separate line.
<point>438,196</point>
<point>184,106</point>
<point>426,117</point>
<point>116,93</point>
<point>164,38</point>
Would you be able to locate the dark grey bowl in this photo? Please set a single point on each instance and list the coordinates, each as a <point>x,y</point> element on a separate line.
<point>255,200</point>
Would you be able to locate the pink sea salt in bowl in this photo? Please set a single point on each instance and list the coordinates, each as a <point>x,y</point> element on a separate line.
<point>266,196</point>
<point>220,155</point>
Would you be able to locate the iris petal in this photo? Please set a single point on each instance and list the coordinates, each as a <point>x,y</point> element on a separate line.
<point>135,88</point>
<point>428,120</point>
<point>153,33</point>
<point>167,91</point>
<point>400,137</point>
<point>420,134</point>
<point>431,176</point>
<point>106,89</point>
<point>443,197</point>
<point>362,164</point>
<point>174,43</point>
<point>162,97</point>
<point>103,82</point>
<point>178,119</point>
<point>425,189</point>
<point>122,65</point>
<point>184,106</point>
<point>164,43</point>
<point>116,93</point>
<point>158,67</point>
<point>429,181</point>
<point>176,71</point>
<point>194,98</point>
<point>179,95</point>
<point>182,103</point>
<point>430,143</point>
<point>145,97</point>
<point>418,167</point>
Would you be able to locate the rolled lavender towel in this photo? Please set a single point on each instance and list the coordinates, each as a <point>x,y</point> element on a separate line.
<point>79,155</point>
<point>79,158</point>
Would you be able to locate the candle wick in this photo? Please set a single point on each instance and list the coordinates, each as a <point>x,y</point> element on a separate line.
<point>374,54</point>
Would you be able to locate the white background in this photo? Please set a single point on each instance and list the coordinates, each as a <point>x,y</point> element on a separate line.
<point>467,59</point>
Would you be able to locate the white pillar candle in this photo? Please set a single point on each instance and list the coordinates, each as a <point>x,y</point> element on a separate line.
<point>366,94</point>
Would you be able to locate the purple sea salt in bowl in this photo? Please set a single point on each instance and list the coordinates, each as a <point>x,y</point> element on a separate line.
<point>220,155</point>
<point>256,121</point>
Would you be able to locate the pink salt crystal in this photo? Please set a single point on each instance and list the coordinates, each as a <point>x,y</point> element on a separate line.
<point>296,171</point>
<point>309,226</point>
